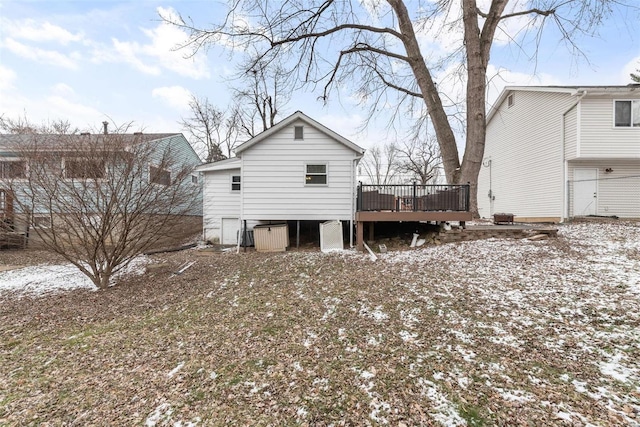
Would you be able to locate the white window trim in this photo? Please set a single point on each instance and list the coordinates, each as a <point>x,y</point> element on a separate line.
<point>231,183</point>
<point>326,173</point>
<point>17,159</point>
<point>151,165</point>
<point>614,114</point>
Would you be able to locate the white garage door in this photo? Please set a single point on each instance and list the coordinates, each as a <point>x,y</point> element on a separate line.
<point>230,227</point>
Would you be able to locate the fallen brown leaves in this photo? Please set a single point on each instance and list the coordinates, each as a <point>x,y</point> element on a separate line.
<point>480,333</point>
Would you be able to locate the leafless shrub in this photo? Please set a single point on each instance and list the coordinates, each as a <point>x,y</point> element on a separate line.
<point>104,198</point>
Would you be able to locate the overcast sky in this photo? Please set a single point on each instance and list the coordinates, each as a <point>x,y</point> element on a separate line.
<point>89,61</point>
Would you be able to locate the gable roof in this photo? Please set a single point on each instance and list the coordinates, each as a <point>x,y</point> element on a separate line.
<point>298,115</point>
<point>570,90</point>
<point>220,165</point>
<point>76,140</point>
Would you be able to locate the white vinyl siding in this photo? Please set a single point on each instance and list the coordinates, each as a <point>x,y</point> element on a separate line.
<point>599,138</point>
<point>273,172</point>
<point>571,134</point>
<point>524,143</point>
<point>618,190</point>
<point>219,202</point>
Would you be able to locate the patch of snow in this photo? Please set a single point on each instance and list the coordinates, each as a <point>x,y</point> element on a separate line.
<point>407,336</point>
<point>161,413</point>
<point>175,370</point>
<point>444,411</point>
<point>42,280</point>
<point>616,370</point>
<point>376,313</point>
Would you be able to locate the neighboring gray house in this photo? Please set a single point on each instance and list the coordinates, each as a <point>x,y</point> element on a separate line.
<point>298,170</point>
<point>72,164</point>
<point>557,152</point>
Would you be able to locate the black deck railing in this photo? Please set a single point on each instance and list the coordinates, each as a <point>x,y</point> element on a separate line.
<point>413,197</point>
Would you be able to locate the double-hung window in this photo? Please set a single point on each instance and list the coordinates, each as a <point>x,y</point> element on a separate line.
<point>83,169</point>
<point>158,175</point>
<point>235,183</point>
<point>12,169</point>
<point>315,174</point>
<point>627,113</point>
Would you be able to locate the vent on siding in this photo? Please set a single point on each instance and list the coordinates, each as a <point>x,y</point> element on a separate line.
<point>510,101</point>
<point>298,132</point>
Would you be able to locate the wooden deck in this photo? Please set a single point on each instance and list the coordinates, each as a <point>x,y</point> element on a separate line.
<point>371,218</point>
<point>409,203</point>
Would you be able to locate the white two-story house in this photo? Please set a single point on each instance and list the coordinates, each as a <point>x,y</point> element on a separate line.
<point>298,170</point>
<point>558,152</point>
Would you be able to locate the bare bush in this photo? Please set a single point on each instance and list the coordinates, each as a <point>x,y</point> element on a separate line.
<point>104,198</point>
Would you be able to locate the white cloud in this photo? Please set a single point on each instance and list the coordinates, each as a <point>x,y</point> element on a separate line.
<point>631,67</point>
<point>160,51</point>
<point>50,57</point>
<point>31,30</point>
<point>130,53</point>
<point>7,77</point>
<point>174,96</point>
<point>64,90</point>
<point>499,78</point>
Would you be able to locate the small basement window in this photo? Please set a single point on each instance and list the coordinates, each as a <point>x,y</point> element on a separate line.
<point>627,113</point>
<point>159,176</point>
<point>316,174</point>
<point>235,183</point>
<point>298,132</point>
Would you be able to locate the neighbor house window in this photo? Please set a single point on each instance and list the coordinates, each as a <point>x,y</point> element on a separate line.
<point>41,222</point>
<point>235,183</point>
<point>194,179</point>
<point>11,169</point>
<point>3,200</point>
<point>83,169</point>
<point>157,175</point>
<point>298,132</point>
<point>316,174</point>
<point>627,113</point>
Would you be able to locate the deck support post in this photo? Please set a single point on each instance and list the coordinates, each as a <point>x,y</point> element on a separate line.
<point>360,236</point>
<point>371,231</point>
<point>297,233</point>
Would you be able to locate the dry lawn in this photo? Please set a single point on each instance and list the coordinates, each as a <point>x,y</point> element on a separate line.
<point>494,332</point>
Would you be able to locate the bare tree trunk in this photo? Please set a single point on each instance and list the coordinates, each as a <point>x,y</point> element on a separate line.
<point>444,133</point>
<point>477,47</point>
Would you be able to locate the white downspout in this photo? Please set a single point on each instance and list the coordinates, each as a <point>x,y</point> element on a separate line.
<point>353,213</point>
<point>240,222</point>
<point>565,168</point>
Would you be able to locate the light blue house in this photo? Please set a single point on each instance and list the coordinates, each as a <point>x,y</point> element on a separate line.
<point>99,165</point>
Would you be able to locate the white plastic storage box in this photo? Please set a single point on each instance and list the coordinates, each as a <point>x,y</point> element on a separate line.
<point>271,237</point>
